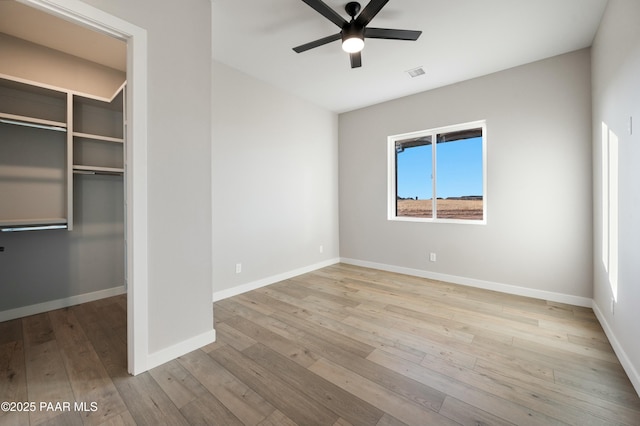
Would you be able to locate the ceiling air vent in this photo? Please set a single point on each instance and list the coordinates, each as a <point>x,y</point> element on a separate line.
<point>416,72</point>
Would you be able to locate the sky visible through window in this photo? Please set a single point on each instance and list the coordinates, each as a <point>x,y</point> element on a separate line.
<point>459,170</point>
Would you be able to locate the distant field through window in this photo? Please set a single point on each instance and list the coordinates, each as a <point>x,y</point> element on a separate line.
<point>437,181</point>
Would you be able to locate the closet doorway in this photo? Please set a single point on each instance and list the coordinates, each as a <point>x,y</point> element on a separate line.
<point>84,144</point>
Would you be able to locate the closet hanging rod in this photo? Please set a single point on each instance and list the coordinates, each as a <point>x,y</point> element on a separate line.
<point>33,228</point>
<point>88,172</point>
<point>34,125</point>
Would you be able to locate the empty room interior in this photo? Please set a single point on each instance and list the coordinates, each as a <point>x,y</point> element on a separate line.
<point>301,212</point>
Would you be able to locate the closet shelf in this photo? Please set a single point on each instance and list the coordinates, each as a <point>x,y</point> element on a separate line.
<point>97,137</point>
<point>21,120</point>
<point>78,169</point>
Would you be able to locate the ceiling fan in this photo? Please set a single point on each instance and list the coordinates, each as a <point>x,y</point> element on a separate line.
<point>355,31</point>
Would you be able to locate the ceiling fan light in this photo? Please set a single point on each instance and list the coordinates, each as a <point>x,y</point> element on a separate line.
<point>353,44</point>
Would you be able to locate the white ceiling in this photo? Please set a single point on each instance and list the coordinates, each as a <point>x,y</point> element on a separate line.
<point>461,39</point>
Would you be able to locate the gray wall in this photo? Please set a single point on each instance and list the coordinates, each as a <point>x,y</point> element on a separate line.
<point>616,94</point>
<point>44,266</point>
<point>275,181</point>
<point>38,63</point>
<point>539,222</point>
<point>179,164</point>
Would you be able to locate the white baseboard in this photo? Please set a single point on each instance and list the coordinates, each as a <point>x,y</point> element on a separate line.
<point>52,305</point>
<point>471,282</point>
<point>243,288</point>
<point>628,366</point>
<point>172,352</point>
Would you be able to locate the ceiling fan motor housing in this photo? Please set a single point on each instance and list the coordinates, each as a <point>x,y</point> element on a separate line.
<point>351,30</point>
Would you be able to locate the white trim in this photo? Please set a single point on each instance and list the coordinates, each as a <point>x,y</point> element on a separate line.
<point>135,167</point>
<point>62,90</point>
<point>172,352</point>
<point>627,365</point>
<point>52,305</point>
<point>243,288</point>
<point>471,282</point>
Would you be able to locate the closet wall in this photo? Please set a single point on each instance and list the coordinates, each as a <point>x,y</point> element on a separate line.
<point>41,270</point>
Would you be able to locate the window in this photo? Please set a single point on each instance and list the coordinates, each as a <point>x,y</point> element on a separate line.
<point>439,174</point>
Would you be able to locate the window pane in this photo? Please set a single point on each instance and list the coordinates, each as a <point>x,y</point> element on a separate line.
<point>414,188</point>
<point>459,175</point>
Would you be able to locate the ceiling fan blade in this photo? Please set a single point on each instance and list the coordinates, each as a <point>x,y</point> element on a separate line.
<point>391,34</point>
<point>370,11</point>
<point>356,59</point>
<point>327,12</point>
<point>317,43</point>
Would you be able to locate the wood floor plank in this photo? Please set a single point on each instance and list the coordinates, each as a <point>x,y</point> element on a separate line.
<point>477,397</point>
<point>122,419</point>
<point>379,396</point>
<point>13,380</point>
<point>334,298</point>
<point>277,419</point>
<point>512,358</point>
<point>37,329</point>
<point>394,382</point>
<point>241,308</point>
<point>238,397</point>
<point>540,395</point>
<point>572,402</point>
<point>47,379</point>
<point>469,415</point>
<point>546,363</point>
<point>375,340</point>
<point>89,380</point>
<point>346,405</point>
<point>67,418</point>
<point>180,386</point>
<point>374,324</point>
<point>208,410</point>
<point>221,314</point>
<point>109,343</point>
<point>430,314</point>
<point>388,420</point>
<point>287,348</point>
<point>146,401</point>
<point>311,303</point>
<point>574,353</point>
<point>10,331</point>
<point>271,387</point>
<point>232,337</point>
<point>328,335</point>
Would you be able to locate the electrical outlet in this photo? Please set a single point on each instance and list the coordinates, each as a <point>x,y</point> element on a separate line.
<point>321,249</point>
<point>432,257</point>
<point>238,268</point>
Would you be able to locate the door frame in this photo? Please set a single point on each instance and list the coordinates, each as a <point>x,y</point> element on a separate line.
<point>135,175</point>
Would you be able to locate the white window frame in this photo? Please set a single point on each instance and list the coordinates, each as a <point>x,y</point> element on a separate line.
<point>391,172</point>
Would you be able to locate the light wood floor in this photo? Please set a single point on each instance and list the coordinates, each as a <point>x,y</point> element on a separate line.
<point>340,346</point>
